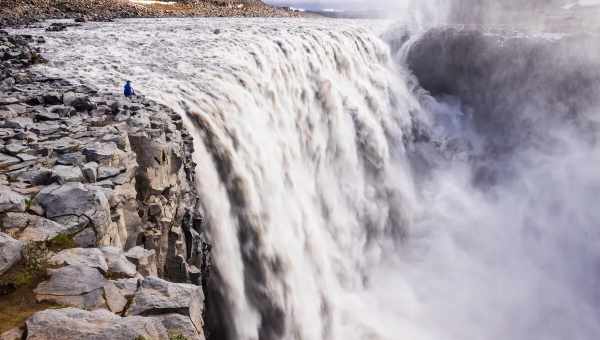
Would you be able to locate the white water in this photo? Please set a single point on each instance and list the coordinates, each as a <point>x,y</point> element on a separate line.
<point>342,238</point>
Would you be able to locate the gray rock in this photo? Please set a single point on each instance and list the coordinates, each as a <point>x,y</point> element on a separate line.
<point>144,260</point>
<point>118,264</point>
<point>14,148</point>
<point>43,115</point>
<point>90,257</point>
<point>18,123</point>
<point>65,174</point>
<point>62,111</point>
<point>86,238</point>
<point>52,99</point>
<point>128,287</point>
<point>90,171</point>
<point>177,324</point>
<point>71,280</point>
<point>100,151</point>
<point>73,158</point>
<point>10,252</point>
<point>33,228</point>
<point>45,128</point>
<point>6,160</point>
<point>11,201</point>
<point>105,172</point>
<point>75,204</point>
<point>157,296</point>
<point>115,301</point>
<point>72,323</point>
<point>78,101</point>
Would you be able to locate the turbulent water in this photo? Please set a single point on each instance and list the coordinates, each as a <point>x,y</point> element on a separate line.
<point>344,202</point>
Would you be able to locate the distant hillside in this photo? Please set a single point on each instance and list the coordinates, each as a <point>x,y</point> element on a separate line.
<point>13,12</point>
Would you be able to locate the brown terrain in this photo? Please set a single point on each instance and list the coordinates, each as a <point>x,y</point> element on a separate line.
<point>17,12</point>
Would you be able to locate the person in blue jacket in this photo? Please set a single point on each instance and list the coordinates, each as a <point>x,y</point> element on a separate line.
<point>128,90</point>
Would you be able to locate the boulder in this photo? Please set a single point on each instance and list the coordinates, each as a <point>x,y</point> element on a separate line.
<point>77,286</point>
<point>99,152</point>
<point>156,296</point>
<point>86,238</point>
<point>11,201</point>
<point>115,301</point>
<point>6,160</point>
<point>89,257</point>
<point>127,287</point>
<point>10,252</point>
<point>77,205</point>
<point>90,171</point>
<point>33,228</point>
<point>72,323</point>
<point>66,173</point>
<point>118,264</point>
<point>79,102</point>
<point>177,324</point>
<point>144,260</point>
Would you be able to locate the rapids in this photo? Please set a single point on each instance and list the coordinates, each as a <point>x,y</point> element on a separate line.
<point>345,202</point>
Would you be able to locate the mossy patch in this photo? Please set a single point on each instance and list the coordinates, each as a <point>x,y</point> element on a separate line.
<point>177,336</point>
<point>61,242</point>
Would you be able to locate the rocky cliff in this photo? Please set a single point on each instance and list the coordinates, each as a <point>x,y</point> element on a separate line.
<point>97,211</point>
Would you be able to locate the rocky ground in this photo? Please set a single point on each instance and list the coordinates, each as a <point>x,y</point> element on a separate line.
<point>19,12</point>
<point>99,232</point>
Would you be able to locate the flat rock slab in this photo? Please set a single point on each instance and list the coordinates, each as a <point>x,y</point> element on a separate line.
<point>89,257</point>
<point>67,173</point>
<point>33,228</point>
<point>72,323</point>
<point>157,296</point>
<point>10,252</point>
<point>71,280</point>
<point>10,200</point>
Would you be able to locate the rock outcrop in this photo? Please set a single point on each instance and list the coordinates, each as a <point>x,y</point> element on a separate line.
<point>104,188</point>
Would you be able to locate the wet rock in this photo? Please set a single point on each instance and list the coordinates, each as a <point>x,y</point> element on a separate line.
<point>72,323</point>
<point>144,260</point>
<point>89,257</point>
<point>78,101</point>
<point>156,296</point>
<point>10,252</point>
<point>32,228</point>
<point>11,201</point>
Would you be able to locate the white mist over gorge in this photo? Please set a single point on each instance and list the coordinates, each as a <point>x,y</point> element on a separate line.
<point>362,182</point>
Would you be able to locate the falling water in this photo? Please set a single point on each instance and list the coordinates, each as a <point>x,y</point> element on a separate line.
<point>339,195</point>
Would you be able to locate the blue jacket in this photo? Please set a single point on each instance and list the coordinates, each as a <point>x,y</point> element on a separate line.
<point>128,90</point>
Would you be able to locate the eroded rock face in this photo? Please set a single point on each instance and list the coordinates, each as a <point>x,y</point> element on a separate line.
<point>157,296</point>
<point>115,177</point>
<point>72,323</point>
<point>10,252</point>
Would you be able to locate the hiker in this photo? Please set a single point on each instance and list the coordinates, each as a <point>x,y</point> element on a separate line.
<point>128,90</point>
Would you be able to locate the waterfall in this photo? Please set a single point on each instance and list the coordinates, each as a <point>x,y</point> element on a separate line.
<point>343,201</point>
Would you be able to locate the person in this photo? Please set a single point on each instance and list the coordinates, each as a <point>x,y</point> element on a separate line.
<point>128,90</point>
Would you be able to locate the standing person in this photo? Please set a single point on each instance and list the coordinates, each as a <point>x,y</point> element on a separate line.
<point>128,90</point>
